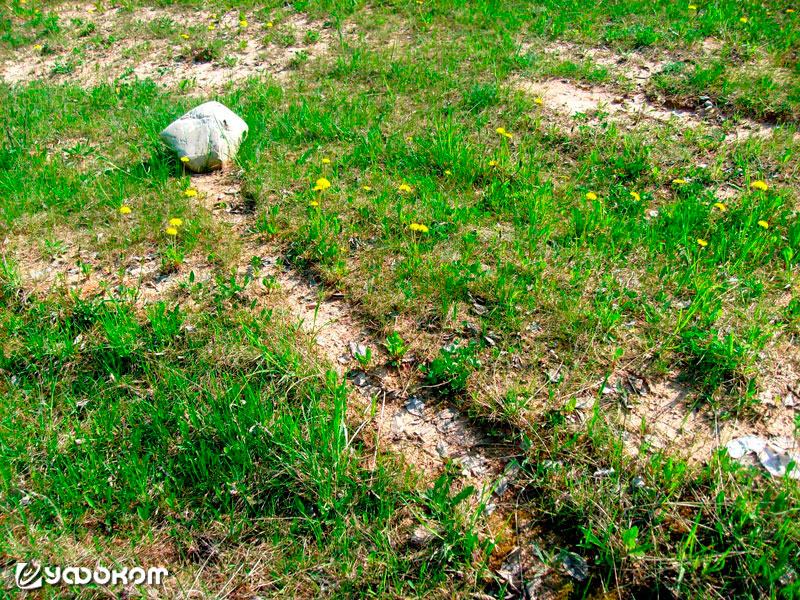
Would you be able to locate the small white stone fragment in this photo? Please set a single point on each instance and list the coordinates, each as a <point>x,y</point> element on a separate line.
<point>415,406</point>
<point>472,465</point>
<point>441,448</point>
<point>208,135</point>
<point>358,350</point>
<point>773,458</point>
<point>603,473</point>
<point>421,536</point>
<point>508,476</point>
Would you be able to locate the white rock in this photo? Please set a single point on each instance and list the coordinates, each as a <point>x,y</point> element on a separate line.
<point>208,135</point>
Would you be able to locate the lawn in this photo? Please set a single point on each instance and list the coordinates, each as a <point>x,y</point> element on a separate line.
<point>474,314</point>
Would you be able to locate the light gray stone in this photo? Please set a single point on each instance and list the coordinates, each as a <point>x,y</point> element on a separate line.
<point>415,406</point>
<point>208,135</point>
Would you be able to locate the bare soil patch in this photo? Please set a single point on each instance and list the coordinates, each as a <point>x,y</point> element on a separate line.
<point>171,60</point>
<point>635,67</point>
<point>627,102</point>
<point>666,415</point>
<point>567,98</point>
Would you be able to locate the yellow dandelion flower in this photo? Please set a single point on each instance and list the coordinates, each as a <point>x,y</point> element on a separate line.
<point>720,206</point>
<point>185,36</point>
<point>125,210</point>
<point>743,20</point>
<point>322,184</point>
<point>313,203</point>
<point>591,196</point>
<point>507,135</point>
<point>789,11</point>
<point>492,163</point>
<point>91,10</point>
<point>326,161</point>
<point>171,231</point>
<point>701,242</point>
<point>678,181</point>
<point>501,130</point>
<point>367,188</point>
<point>692,7</point>
<point>37,47</point>
<point>636,196</point>
<point>269,24</point>
<point>759,185</point>
<point>448,172</point>
<point>403,187</point>
<point>243,23</point>
<point>184,159</point>
<point>763,224</point>
<point>409,138</point>
<point>211,28</point>
<point>190,193</point>
<point>175,222</point>
<point>423,228</point>
<point>214,16</point>
<point>538,101</point>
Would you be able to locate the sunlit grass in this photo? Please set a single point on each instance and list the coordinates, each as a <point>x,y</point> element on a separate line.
<point>407,169</point>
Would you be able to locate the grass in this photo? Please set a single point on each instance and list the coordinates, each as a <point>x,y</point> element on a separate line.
<point>553,263</point>
<point>217,435</point>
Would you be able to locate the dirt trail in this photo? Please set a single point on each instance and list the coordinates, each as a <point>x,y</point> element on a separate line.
<point>410,420</point>
<point>392,404</point>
